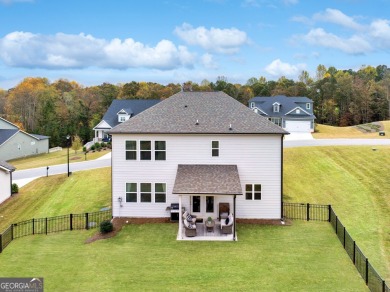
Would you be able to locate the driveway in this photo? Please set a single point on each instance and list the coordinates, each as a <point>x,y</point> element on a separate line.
<point>298,136</point>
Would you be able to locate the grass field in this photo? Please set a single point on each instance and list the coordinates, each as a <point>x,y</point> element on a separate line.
<point>304,257</point>
<point>330,132</point>
<point>84,191</point>
<point>356,181</point>
<point>59,157</point>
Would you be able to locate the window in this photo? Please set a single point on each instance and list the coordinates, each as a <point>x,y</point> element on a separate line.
<point>146,150</point>
<point>252,104</point>
<point>131,192</point>
<point>209,204</point>
<point>215,148</point>
<point>146,192</point>
<point>308,105</point>
<point>122,119</point>
<point>131,150</point>
<point>253,192</point>
<point>196,204</point>
<point>159,150</point>
<point>276,107</point>
<point>160,192</point>
<point>276,121</point>
<point>298,111</point>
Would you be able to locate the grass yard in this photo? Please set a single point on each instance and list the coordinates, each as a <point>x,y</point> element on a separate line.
<point>356,181</point>
<point>83,191</point>
<point>304,257</point>
<point>59,157</point>
<point>330,132</point>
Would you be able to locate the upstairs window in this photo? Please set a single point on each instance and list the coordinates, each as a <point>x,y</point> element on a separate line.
<point>159,150</point>
<point>253,192</point>
<point>122,119</point>
<point>252,104</point>
<point>276,107</point>
<point>131,150</point>
<point>146,150</point>
<point>215,148</point>
<point>308,106</point>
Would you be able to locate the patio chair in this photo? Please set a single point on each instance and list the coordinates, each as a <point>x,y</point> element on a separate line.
<point>190,230</point>
<point>185,217</point>
<point>227,228</point>
<point>224,209</point>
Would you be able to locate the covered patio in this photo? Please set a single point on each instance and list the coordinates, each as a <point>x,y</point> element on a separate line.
<point>199,187</point>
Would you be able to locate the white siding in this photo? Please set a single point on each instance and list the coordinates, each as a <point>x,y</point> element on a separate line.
<point>5,185</point>
<point>258,158</point>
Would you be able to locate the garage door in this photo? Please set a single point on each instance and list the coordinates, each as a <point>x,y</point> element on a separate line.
<point>298,126</point>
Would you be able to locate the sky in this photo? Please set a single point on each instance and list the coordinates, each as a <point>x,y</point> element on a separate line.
<point>167,41</point>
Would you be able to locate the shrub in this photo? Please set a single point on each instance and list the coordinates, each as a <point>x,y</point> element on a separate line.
<point>106,226</point>
<point>93,147</point>
<point>14,188</point>
<point>84,149</point>
<point>103,144</point>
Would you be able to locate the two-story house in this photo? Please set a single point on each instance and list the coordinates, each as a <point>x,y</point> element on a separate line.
<point>294,114</point>
<point>197,149</point>
<point>118,112</point>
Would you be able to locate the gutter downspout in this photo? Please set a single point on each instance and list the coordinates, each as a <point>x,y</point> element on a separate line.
<point>234,218</point>
<point>10,181</point>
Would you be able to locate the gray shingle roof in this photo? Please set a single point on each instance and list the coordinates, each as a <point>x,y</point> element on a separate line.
<point>214,111</point>
<point>5,134</point>
<point>40,137</point>
<point>7,166</point>
<point>265,103</point>
<point>207,179</point>
<point>131,106</point>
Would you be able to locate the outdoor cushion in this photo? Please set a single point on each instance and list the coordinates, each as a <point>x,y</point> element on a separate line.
<point>227,221</point>
<point>189,218</point>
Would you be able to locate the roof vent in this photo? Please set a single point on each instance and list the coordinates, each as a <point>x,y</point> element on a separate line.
<point>230,127</point>
<point>197,122</point>
<point>185,106</point>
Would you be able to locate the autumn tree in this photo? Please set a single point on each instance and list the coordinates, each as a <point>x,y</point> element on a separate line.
<point>76,143</point>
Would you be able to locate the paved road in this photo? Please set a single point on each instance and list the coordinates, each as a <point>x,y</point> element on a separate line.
<point>21,177</point>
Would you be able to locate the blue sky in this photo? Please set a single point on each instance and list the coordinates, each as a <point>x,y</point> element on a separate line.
<point>167,41</point>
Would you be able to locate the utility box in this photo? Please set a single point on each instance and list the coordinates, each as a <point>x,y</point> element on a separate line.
<point>382,133</point>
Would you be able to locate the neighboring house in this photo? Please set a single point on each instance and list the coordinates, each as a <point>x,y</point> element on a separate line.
<point>120,111</point>
<point>15,143</point>
<point>294,114</point>
<point>6,170</point>
<point>197,149</point>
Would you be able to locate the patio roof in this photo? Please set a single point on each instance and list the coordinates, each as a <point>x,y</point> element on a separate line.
<point>207,179</point>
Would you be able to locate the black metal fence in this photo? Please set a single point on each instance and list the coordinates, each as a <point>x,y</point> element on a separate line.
<point>52,224</point>
<point>326,213</point>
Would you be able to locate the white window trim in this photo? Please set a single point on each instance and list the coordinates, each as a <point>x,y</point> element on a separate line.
<point>308,106</point>
<point>125,201</point>
<point>253,192</point>
<point>298,107</point>
<point>275,106</point>
<point>153,150</point>
<point>259,109</point>
<point>219,148</point>
<point>153,193</point>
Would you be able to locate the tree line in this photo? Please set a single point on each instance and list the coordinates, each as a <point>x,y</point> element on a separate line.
<point>341,98</point>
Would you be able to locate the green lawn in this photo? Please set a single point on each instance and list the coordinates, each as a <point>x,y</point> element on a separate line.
<point>356,181</point>
<point>59,157</point>
<point>331,132</point>
<point>83,191</point>
<point>302,257</point>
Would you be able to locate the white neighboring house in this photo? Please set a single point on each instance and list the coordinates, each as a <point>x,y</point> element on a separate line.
<point>197,149</point>
<point>294,114</point>
<point>120,111</point>
<point>6,170</point>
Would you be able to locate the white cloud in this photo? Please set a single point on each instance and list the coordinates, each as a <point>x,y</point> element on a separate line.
<point>208,61</point>
<point>290,2</point>
<point>380,31</point>
<point>14,1</point>
<point>225,41</point>
<point>277,68</point>
<point>337,17</point>
<point>353,45</point>
<point>25,49</point>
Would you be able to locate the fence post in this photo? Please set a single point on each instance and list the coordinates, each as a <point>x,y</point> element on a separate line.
<point>33,226</point>
<point>12,232</point>
<point>1,243</point>
<point>344,238</point>
<point>336,224</point>
<point>329,213</point>
<point>354,252</point>
<point>46,225</point>
<point>71,221</point>
<point>383,286</point>
<point>366,271</point>
<point>308,212</point>
<point>86,221</point>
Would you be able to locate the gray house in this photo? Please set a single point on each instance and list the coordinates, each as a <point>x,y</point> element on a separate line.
<point>15,143</point>
<point>120,111</point>
<point>6,170</point>
<point>294,114</point>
